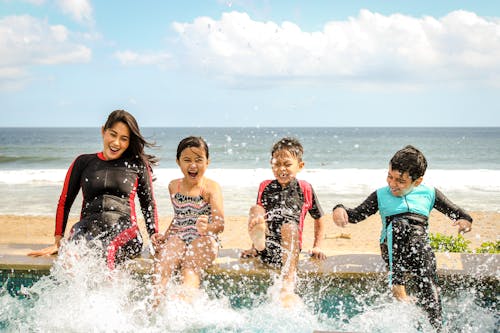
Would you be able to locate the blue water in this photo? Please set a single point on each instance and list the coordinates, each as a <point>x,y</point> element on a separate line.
<point>81,295</point>
<point>244,148</point>
<point>343,164</point>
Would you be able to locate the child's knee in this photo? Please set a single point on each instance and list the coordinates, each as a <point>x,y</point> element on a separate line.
<point>256,211</point>
<point>289,230</point>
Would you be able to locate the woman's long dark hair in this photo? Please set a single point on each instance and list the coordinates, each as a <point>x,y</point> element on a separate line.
<point>137,141</point>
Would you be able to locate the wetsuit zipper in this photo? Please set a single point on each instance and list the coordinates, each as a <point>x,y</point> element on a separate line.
<point>407,205</point>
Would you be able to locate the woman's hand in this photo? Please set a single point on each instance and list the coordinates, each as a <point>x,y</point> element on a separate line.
<point>47,251</point>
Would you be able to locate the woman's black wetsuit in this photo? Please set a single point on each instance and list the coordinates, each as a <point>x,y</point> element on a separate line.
<point>108,209</point>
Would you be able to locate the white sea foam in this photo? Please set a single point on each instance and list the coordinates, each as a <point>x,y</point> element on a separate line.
<point>82,295</point>
<point>37,191</point>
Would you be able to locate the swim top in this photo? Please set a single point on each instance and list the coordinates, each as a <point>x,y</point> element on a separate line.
<point>187,209</point>
<point>288,204</point>
<point>108,186</point>
<point>420,201</point>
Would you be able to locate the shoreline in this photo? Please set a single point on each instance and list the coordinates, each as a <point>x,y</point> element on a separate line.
<point>364,236</point>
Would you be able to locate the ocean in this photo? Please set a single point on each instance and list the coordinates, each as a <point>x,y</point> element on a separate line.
<point>344,165</point>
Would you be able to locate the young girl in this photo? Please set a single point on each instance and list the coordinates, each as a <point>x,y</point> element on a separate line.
<point>190,244</point>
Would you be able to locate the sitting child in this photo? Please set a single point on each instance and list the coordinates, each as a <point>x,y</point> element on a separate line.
<point>190,244</point>
<point>276,222</point>
<point>404,206</point>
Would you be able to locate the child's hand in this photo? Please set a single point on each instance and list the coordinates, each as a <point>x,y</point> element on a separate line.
<point>463,226</point>
<point>157,239</point>
<point>340,217</point>
<point>202,224</point>
<point>317,253</point>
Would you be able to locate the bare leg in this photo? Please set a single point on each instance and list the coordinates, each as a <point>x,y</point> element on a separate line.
<point>290,259</point>
<point>165,263</point>
<point>399,292</point>
<point>257,227</point>
<point>200,255</point>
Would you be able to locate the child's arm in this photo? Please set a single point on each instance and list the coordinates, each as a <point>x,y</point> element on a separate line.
<point>319,234</point>
<point>341,215</point>
<point>459,216</point>
<point>215,200</point>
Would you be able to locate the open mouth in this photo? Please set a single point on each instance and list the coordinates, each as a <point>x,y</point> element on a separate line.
<point>192,174</point>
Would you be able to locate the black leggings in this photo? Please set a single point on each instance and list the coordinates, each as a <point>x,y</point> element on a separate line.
<point>113,232</point>
<point>412,254</point>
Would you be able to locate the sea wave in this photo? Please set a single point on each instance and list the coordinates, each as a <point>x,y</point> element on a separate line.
<point>27,192</point>
<point>25,159</point>
<point>338,180</point>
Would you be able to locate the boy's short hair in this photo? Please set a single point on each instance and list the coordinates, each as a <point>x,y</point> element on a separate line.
<point>291,145</point>
<point>411,160</point>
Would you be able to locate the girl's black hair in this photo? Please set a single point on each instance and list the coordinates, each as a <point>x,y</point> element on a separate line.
<point>192,141</point>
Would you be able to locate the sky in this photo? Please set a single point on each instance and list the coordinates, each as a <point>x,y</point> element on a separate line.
<point>243,63</point>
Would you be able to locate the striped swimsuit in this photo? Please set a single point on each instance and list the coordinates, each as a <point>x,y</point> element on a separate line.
<point>187,209</point>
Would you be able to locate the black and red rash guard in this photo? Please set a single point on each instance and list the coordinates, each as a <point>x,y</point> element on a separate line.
<point>108,209</point>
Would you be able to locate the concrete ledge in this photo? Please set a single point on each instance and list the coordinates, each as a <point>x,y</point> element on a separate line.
<point>13,257</point>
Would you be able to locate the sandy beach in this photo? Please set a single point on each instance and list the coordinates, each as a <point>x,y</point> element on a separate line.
<point>17,229</point>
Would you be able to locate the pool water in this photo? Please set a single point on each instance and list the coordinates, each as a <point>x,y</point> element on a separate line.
<point>87,297</point>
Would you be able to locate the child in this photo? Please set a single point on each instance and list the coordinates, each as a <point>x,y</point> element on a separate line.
<point>275,224</point>
<point>404,207</point>
<point>190,244</point>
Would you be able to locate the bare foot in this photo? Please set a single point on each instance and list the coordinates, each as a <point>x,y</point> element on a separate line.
<point>188,294</point>
<point>250,253</point>
<point>257,232</point>
<point>290,299</point>
<point>408,299</point>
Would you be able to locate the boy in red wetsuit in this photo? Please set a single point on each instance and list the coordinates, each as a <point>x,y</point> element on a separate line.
<point>276,222</point>
<point>404,206</point>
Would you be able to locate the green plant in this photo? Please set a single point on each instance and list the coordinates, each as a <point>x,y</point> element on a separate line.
<point>489,247</point>
<point>443,243</point>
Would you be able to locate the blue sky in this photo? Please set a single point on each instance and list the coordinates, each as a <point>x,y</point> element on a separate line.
<point>250,63</point>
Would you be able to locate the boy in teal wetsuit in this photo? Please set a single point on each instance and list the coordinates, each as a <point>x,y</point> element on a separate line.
<point>404,206</point>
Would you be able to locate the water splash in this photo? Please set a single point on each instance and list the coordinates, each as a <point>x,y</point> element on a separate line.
<point>82,295</point>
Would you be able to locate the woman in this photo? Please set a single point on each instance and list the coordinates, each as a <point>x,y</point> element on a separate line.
<point>110,180</point>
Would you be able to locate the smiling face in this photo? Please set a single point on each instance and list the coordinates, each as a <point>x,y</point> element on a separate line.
<point>116,140</point>
<point>285,166</point>
<point>401,183</point>
<point>193,164</point>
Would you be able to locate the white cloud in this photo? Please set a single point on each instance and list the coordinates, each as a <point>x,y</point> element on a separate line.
<point>368,48</point>
<point>13,78</point>
<point>79,10</point>
<point>26,41</point>
<point>130,58</point>
<point>35,2</point>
